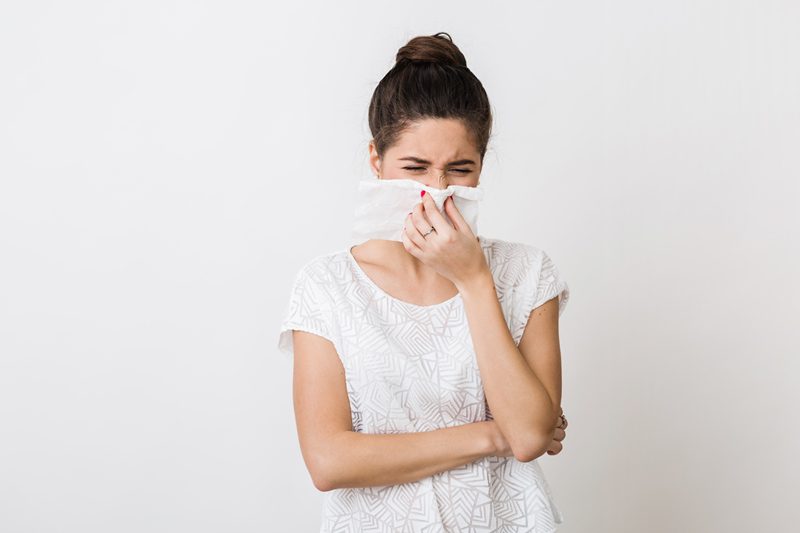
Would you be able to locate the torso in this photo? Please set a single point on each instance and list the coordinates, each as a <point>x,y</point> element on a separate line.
<point>411,367</point>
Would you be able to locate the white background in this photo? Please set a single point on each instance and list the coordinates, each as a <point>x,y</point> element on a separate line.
<point>168,166</point>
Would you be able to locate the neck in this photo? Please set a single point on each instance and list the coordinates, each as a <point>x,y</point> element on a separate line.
<point>393,255</point>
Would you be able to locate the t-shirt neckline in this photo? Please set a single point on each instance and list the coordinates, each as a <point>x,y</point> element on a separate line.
<point>363,275</point>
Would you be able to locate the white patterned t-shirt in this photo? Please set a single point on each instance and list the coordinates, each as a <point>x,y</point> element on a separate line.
<point>412,368</point>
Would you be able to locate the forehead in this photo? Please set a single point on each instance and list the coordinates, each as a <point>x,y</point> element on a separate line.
<point>434,139</point>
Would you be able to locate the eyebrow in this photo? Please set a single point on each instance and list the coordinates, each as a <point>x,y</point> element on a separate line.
<point>426,162</point>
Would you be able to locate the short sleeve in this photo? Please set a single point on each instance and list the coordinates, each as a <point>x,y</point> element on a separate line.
<point>540,282</point>
<point>309,308</point>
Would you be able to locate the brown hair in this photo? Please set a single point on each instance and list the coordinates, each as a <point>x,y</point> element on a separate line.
<point>430,79</point>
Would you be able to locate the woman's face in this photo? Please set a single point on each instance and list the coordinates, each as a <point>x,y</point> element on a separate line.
<point>436,152</point>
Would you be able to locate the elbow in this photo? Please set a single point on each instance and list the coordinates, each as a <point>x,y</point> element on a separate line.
<point>321,471</point>
<point>327,463</point>
<point>531,446</point>
<point>528,454</point>
<point>535,441</point>
<point>321,482</point>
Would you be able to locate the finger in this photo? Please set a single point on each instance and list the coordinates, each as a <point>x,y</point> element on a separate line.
<point>408,244</point>
<point>455,215</point>
<point>554,447</point>
<point>434,215</point>
<point>561,420</point>
<point>412,233</point>
<point>419,220</point>
<point>559,434</point>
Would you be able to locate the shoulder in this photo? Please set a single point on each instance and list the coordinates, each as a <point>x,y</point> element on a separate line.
<point>513,262</point>
<point>319,266</point>
<point>311,302</point>
<point>525,277</point>
<point>322,273</point>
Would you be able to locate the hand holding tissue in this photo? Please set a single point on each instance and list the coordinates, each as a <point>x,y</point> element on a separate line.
<point>383,204</point>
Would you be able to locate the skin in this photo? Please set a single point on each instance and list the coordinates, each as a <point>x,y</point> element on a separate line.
<point>522,384</point>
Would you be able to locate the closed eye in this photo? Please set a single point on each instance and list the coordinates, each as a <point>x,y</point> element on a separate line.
<point>461,170</point>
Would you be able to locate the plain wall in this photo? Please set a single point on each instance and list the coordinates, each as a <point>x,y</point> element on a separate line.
<point>166,167</point>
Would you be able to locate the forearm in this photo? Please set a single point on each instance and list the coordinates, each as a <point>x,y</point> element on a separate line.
<point>368,459</point>
<point>508,380</point>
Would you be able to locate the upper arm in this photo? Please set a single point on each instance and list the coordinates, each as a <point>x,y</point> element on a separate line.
<point>309,333</point>
<point>321,403</point>
<point>540,346</point>
<point>542,298</point>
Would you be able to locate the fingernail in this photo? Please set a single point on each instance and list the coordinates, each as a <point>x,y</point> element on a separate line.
<point>422,193</point>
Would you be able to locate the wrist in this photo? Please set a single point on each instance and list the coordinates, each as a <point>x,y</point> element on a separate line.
<point>480,282</point>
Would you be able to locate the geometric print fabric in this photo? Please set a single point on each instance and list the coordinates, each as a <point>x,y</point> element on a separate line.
<point>411,368</point>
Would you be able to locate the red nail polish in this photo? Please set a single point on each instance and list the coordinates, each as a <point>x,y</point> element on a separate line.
<point>422,193</point>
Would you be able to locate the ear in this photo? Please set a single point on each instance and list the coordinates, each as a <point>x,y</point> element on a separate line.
<point>374,158</point>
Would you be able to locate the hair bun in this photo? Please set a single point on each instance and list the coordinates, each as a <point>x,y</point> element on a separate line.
<point>437,48</point>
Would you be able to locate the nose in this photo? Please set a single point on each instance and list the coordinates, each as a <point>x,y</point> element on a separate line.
<point>441,181</point>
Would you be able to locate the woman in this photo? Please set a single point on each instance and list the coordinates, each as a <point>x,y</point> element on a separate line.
<point>401,346</point>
